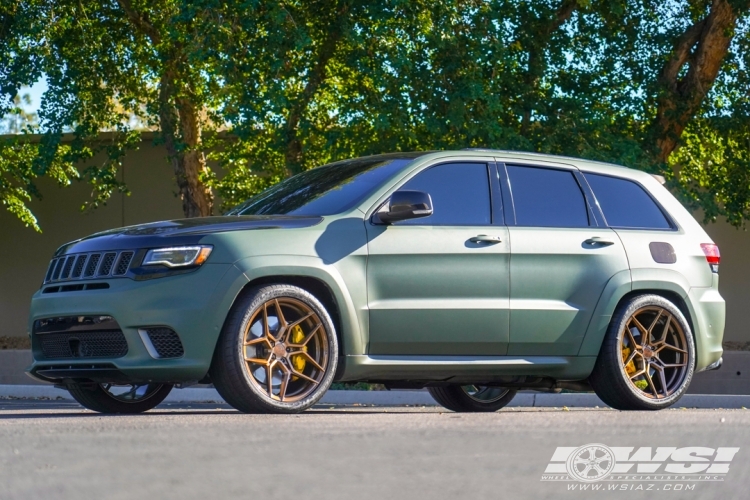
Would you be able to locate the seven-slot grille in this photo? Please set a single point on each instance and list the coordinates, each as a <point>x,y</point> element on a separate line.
<point>89,266</point>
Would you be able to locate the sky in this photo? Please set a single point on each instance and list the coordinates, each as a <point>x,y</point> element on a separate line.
<point>35,92</point>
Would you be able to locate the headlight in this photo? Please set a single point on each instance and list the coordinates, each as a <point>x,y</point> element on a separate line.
<point>178,256</point>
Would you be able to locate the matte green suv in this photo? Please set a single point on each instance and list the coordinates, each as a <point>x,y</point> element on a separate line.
<point>472,273</point>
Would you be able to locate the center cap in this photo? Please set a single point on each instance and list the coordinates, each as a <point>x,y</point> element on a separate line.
<point>648,352</point>
<point>279,350</point>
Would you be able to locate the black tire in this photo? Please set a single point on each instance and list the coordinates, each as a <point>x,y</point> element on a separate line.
<point>97,398</point>
<point>232,375</point>
<point>610,378</point>
<point>455,398</point>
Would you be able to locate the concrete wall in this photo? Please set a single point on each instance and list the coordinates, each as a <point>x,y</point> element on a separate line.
<point>25,254</point>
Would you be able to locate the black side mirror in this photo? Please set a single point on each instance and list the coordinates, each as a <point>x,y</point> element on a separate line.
<point>406,205</point>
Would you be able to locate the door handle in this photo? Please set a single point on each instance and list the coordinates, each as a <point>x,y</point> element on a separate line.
<point>485,238</point>
<point>596,240</point>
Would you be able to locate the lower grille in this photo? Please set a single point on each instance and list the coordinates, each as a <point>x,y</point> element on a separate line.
<point>165,341</point>
<point>88,344</point>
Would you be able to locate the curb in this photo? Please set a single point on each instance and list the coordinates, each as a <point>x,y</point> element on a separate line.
<point>396,398</point>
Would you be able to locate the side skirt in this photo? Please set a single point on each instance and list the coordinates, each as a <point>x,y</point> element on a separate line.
<point>457,369</point>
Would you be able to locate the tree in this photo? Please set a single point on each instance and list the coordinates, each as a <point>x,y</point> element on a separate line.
<point>263,90</point>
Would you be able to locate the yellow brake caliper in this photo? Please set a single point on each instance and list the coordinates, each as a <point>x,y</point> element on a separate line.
<point>298,362</point>
<point>630,367</point>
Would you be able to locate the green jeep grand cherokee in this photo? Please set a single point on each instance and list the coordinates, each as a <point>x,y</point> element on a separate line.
<point>472,273</point>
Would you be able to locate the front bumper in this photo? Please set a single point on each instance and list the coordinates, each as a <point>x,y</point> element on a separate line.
<point>194,305</point>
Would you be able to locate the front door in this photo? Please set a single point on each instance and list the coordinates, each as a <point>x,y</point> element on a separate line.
<point>439,285</point>
<point>562,258</point>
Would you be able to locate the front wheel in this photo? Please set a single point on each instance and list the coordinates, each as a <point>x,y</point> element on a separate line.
<point>277,352</point>
<point>116,398</point>
<point>647,359</point>
<point>472,398</point>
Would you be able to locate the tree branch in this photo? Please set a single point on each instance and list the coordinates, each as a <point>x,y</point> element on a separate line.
<point>702,47</point>
<point>682,50</point>
<point>140,22</point>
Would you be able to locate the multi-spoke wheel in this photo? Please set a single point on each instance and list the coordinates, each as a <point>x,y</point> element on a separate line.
<point>648,356</point>
<point>472,398</point>
<point>119,398</point>
<point>277,352</point>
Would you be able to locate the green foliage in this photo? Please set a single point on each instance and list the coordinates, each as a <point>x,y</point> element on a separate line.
<point>280,87</point>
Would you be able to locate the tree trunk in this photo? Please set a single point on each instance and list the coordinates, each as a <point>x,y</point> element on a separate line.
<point>702,48</point>
<point>188,162</point>
<point>179,123</point>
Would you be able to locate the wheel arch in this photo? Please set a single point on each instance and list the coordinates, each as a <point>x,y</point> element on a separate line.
<point>620,289</point>
<point>321,281</point>
<point>670,295</point>
<point>317,287</point>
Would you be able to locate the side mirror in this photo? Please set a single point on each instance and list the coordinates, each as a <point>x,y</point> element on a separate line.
<point>405,205</point>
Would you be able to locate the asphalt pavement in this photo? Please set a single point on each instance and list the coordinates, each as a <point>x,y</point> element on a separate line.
<point>54,449</point>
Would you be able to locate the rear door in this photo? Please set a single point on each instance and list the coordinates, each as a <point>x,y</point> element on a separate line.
<point>432,288</point>
<point>561,258</point>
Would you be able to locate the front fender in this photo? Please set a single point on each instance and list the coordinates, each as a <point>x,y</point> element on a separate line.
<point>352,315</point>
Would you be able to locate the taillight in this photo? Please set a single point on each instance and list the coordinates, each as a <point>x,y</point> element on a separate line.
<point>713,257</point>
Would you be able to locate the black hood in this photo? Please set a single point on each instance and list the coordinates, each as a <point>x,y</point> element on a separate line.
<point>180,232</point>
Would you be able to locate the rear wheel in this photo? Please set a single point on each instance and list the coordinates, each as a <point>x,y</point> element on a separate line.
<point>277,352</point>
<point>116,398</point>
<point>472,398</point>
<point>647,359</point>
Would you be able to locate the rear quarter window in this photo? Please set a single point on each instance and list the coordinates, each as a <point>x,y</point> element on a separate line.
<point>626,204</point>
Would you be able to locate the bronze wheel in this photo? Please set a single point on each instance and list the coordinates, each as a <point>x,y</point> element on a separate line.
<point>647,359</point>
<point>277,352</point>
<point>286,349</point>
<point>654,352</point>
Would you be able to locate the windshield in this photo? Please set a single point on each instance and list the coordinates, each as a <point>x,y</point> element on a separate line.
<point>326,190</point>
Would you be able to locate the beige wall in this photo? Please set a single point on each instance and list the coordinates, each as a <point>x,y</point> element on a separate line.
<point>734,278</point>
<point>25,254</point>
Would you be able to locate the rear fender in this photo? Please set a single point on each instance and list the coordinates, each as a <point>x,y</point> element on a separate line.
<point>622,284</point>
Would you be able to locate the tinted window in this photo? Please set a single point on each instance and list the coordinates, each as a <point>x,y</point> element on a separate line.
<point>625,203</point>
<point>460,194</point>
<point>325,190</point>
<point>546,197</point>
